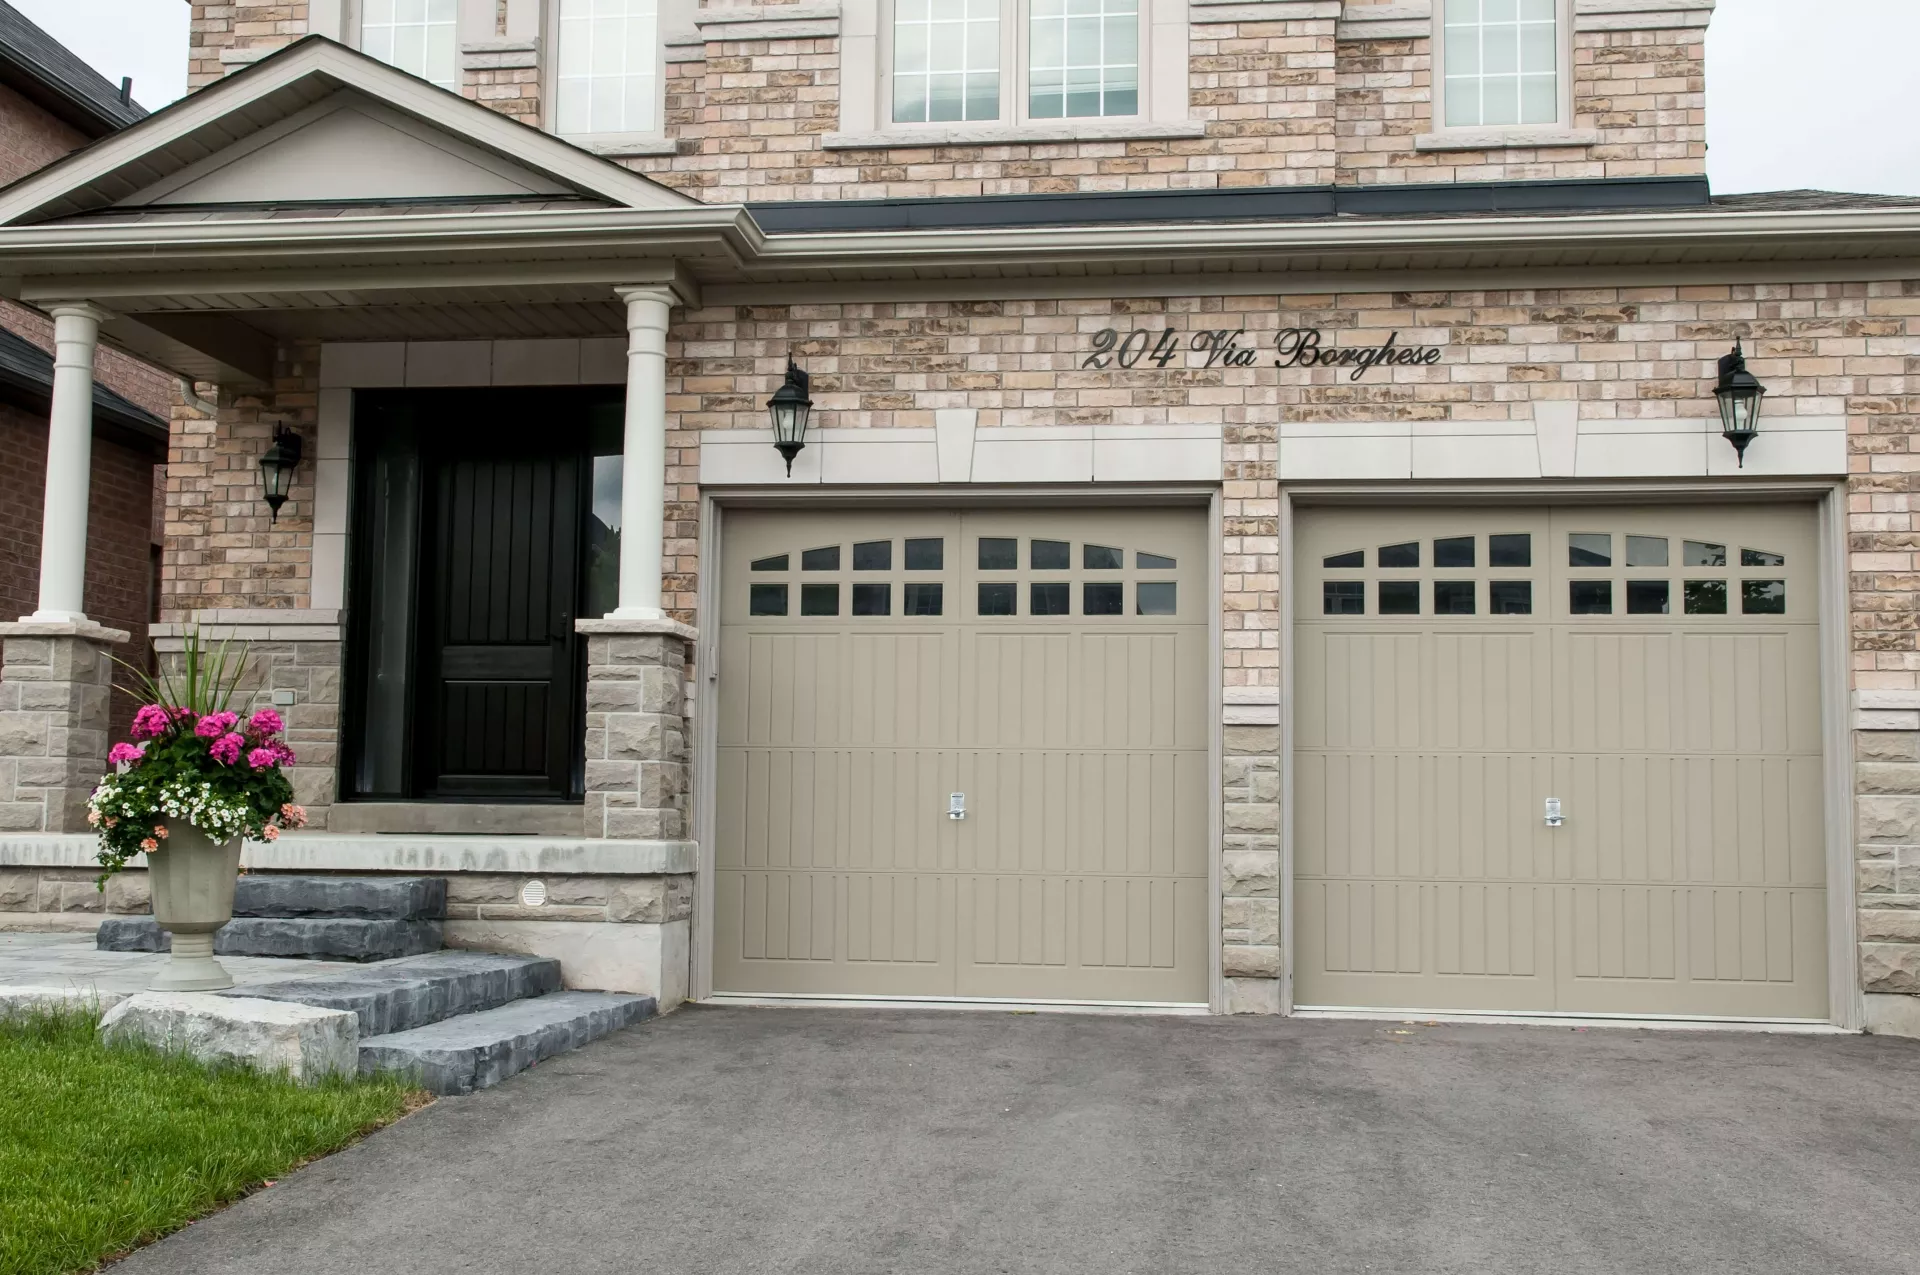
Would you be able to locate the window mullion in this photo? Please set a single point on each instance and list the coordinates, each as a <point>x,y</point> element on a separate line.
<point>1014,47</point>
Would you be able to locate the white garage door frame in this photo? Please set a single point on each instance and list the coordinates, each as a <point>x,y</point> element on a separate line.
<point>1846,1007</point>
<point>716,502</point>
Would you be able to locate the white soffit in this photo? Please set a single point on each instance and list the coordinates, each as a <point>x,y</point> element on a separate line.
<point>346,147</point>
<point>217,129</point>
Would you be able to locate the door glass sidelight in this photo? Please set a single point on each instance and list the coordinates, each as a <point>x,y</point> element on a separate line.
<point>603,536</point>
<point>389,498</point>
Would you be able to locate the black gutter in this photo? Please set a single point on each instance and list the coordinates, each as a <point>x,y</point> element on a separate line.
<point>1267,203</point>
<point>26,380</point>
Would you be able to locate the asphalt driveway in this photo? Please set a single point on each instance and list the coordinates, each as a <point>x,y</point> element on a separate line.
<point>751,1140</point>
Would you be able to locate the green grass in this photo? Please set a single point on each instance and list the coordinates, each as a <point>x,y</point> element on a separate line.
<point>105,1149</point>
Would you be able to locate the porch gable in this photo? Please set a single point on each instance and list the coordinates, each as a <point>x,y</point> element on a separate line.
<point>320,123</point>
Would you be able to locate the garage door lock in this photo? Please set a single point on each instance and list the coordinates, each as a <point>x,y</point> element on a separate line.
<point>1554,817</point>
<point>957,805</point>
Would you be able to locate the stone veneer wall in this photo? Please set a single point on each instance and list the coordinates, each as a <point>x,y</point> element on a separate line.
<point>637,765</point>
<point>308,671</point>
<point>55,710</point>
<point>43,898</point>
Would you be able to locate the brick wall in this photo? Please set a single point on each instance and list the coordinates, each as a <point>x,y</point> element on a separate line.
<point>1643,91</point>
<point>221,548</point>
<point>217,27</point>
<point>1282,100</point>
<point>30,138</point>
<point>119,522</point>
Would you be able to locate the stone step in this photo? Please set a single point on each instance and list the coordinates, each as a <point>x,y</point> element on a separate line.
<point>315,938</point>
<point>474,1051</point>
<point>411,993</point>
<point>343,898</point>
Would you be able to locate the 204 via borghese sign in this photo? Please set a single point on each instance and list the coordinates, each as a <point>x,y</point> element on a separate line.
<point>1223,347</point>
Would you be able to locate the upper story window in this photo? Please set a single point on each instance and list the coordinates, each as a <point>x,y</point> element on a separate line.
<point>1501,63</point>
<point>608,80</point>
<point>946,60</point>
<point>1085,58</point>
<point>415,35</point>
<point>1011,61</point>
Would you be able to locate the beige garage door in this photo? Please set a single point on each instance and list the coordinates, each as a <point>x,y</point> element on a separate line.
<point>1655,669</point>
<point>1051,667</point>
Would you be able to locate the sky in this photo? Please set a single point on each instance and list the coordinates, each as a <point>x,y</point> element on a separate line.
<point>1800,93</point>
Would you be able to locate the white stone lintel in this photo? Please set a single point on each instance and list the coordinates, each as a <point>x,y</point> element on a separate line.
<point>257,624</point>
<point>1276,9</point>
<point>768,21</point>
<point>1486,139</point>
<point>1015,134</point>
<point>1640,15</point>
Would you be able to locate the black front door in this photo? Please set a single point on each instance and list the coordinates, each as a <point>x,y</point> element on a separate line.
<point>470,566</point>
<point>497,697</point>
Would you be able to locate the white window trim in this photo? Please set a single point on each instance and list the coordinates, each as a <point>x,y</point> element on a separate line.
<point>1561,132</point>
<point>866,83</point>
<point>673,17</point>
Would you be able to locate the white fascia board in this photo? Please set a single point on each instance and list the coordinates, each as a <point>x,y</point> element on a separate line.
<point>315,56</point>
<point>558,244</point>
<point>428,232</point>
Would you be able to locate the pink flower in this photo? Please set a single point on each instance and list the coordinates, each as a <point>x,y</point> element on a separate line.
<point>151,722</point>
<point>261,758</point>
<point>266,722</point>
<point>215,724</point>
<point>123,754</point>
<point>226,749</point>
<point>293,816</point>
<point>149,845</point>
<point>93,818</point>
<point>160,831</point>
<point>270,833</point>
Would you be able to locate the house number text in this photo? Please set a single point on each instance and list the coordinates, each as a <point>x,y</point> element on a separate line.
<point>1229,347</point>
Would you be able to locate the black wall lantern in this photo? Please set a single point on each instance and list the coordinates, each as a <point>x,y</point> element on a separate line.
<point>277,466</point>
<point>1739,396</point>
<point>790,408</point>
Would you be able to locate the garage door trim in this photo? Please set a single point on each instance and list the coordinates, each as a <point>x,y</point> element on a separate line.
<point>1846,1008</point>
<point>714,506</point>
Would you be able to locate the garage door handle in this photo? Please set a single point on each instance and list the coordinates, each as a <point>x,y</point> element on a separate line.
<point>1554,817</point>
<point>957,805</point>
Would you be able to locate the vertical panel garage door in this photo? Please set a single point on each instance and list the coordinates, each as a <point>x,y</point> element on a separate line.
<point>1653,668</point>
<point>1051,667</point>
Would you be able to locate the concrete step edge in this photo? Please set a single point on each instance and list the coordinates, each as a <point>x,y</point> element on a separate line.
<point>400,995</point>
<point>475,1051</point>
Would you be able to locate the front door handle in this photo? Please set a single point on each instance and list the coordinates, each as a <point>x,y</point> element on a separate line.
<point>957,805</point>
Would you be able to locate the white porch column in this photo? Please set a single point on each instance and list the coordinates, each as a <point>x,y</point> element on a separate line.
<point>643,470</point>
<point>63,534</point>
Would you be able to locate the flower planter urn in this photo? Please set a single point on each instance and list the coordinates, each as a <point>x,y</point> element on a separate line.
<point>192,879</point>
